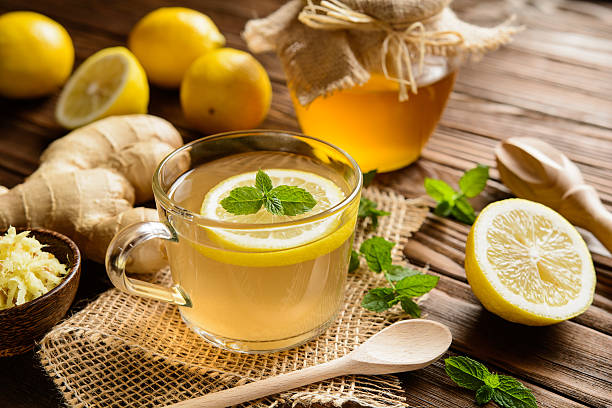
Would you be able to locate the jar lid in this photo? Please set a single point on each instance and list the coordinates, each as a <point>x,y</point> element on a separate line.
<point>330,45</point>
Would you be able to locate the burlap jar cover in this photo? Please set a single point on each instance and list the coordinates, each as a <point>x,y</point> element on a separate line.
<point>331,45</point>
<point>126,351</point>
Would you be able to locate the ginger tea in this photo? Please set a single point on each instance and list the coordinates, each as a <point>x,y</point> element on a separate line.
<point>373,126</point>
<point>261,288</point>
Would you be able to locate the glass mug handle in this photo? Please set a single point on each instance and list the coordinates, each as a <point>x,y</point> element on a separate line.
<point>117,256</point>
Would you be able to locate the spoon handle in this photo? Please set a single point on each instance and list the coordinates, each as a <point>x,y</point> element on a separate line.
<point>269,386</point>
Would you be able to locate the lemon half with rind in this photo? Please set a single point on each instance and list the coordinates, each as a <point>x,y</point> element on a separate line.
<point>528,264</point>
<point>110,82</point>
<point>276,245</point>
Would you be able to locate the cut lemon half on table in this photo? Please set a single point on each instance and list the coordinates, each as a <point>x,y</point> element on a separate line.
<point>528,264</point>
<point>110,82</point>
<point>276,245</point>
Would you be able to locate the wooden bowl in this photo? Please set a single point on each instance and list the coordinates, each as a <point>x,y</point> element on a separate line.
<point>21,326</point>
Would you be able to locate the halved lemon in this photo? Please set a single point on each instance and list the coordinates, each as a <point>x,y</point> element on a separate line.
<point>528,264</point>
<point>282,245</point>
<point>110,82</point>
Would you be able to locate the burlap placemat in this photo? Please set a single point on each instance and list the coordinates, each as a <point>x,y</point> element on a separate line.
<point>125,351</point>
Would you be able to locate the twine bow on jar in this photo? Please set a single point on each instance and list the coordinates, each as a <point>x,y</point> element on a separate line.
<point>396,47</point>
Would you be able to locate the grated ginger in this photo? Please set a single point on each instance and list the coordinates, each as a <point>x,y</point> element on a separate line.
<point>26,271</point>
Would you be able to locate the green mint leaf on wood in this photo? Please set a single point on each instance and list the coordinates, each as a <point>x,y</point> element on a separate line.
<point>409,306</point>
<point>243,200</point>
<point>484,394</point>
<point>263,182</point>
<point>367,208</point>
<point>439,190</point>
<point>378,299</point>
<point>416,285</point>
<point>506,391</point>
<point>377,252</point>
<point>512,394</point>
<point>369,177</point>
<point>466,372</point>
<point>354,261</point>
<point>453,203</point>
<point>397,272</point>
<point>463,211</point>
<point>294,200</point>
<point>474,181</point>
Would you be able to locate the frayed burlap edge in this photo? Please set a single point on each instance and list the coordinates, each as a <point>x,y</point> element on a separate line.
<point>125,351</point>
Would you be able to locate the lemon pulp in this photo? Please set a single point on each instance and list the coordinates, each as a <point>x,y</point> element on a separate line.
<point>528,264</point>
<point>110,82</point>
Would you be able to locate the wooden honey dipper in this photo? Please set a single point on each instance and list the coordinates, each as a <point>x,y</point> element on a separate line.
<point>535,170</point>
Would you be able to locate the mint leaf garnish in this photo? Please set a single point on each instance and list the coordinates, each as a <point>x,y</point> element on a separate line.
<point>243,200</point>
<point>354,261</point>
<point>466,372</point>
<point>455,203</point>
<point>263,182</point>
<point>378,299</point>
<point>506,391</point>
<point>405,283</point>
<point>367,208</point>
<point>416,285</point>
<point>439,190</point>
<point>397,272</point>
<point>377,252</point>
<point>369,177</point>
<point>512,394</point>
<point>474,181</point>
<point>279,200</point>
<point>294,200</point>
<point>484,394</point>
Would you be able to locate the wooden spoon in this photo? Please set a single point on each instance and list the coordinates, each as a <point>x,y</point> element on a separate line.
<point>403,346</point>
<point>535,170</point>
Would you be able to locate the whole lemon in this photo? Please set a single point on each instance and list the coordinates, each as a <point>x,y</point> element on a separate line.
<point>167,40</point>
<point>36,55</point>
<point>224,90</point>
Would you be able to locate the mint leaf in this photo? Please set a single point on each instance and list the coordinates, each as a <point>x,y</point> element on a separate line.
<point>263,182</point>
<point>512,394</point>
<point>367,208</point>
<point>484,394</point>
<point>273,205</point>
<point>466,372</point>
<point>369,177</point>
<point>243,200</point>
<point>416,285</point>
<point>492,380</point>
<point>463,211</point>
<point>354,261</point>
<point>396,273</point>
<point>377,252</point>
<point>410,306</point>
<point>474,181</point>
<point>378,299</point>
<point>295,200</point>
<point>444,208</point>
<point>439,190</point>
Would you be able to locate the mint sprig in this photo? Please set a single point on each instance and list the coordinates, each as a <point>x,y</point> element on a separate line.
<point>367,208</point>
<point>404,283</point>
<point>454,203</point>
<point>279,200</point>
<point>506,391</point>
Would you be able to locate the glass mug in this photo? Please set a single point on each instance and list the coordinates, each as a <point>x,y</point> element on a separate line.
<point>247,299</point>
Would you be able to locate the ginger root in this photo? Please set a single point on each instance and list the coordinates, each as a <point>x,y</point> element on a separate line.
<point>88,181</point>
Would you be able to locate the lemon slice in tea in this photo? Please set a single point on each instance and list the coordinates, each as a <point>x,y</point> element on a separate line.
<point>325,192</point>
<point>110,82</point>
<point>527,264</point>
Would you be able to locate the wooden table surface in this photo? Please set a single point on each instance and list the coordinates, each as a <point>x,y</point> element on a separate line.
<point>554,82</point>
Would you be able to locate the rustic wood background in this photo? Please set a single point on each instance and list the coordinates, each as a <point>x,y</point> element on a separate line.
<point>554,82</point>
